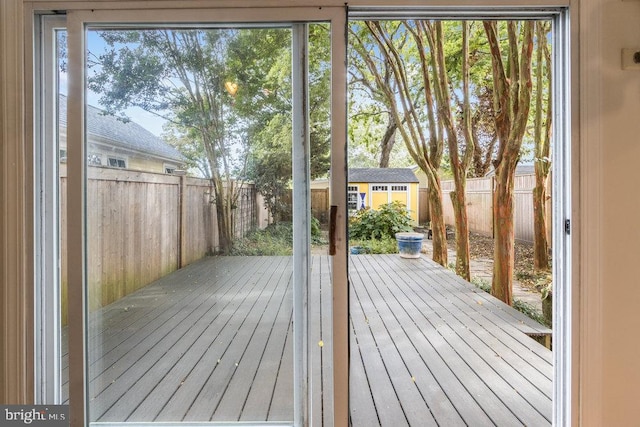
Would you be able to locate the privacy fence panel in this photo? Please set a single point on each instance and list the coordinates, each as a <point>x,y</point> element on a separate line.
<point>320,204</point>
<point>142,226</point>
<point>479,193</point>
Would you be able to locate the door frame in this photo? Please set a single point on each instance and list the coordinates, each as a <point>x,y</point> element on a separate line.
<point>573,303</point>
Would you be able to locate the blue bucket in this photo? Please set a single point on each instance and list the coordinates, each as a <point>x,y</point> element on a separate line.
<point>409,244</point>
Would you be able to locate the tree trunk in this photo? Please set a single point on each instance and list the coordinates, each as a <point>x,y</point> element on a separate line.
<point>541,244</point>
<point>387,142</point>
<point>459,201</point>
<point>542,139</point>
<point>224,215</point>
<point>438,228</point>
<point>504,240</point>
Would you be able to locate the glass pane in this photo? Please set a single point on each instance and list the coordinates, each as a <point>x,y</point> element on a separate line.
<point>189,224</point>
<point>447,325</point>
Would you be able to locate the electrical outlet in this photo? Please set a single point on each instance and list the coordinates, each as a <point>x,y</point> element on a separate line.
<point>631,59</point>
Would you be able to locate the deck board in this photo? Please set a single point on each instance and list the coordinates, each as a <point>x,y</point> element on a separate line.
<point>213,341</point>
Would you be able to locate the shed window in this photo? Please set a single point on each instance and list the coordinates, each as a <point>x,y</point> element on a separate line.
<point>352,197</point>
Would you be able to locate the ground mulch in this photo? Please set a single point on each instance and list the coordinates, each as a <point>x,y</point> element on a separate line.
<point>481,247</point>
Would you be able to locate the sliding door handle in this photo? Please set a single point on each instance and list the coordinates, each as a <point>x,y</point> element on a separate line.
<point>333,212</point>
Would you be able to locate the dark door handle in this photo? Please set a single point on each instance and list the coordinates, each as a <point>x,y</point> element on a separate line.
<point>333,212</point>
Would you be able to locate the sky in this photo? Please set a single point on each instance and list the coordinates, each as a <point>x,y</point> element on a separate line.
<point>149,121</point>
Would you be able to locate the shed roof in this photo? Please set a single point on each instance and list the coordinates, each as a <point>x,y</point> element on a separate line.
<point>129,135</point>
<point>382,175</point>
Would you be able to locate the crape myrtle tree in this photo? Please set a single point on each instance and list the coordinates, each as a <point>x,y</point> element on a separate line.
<point>512,89</point>
<point>374,113</point>
<point>412,78</point>
<point>180,75</point>
<point>387,45</point>
<point>212,86</point>
<point>460,149</point>
<point>542,145</point>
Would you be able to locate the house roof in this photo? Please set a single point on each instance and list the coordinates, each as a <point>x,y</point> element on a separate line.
<point>386,175</point>
<point>521,169</point>
<point>128,135</point>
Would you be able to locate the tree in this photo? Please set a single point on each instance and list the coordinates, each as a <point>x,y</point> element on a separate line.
<point>479,116</point>
<point>214,88</point>
<point>512,89</point>
<point>483,132</point>
<point>361,78</point>
<point>179,74</point>
<point>542,141</point>
<point>390,41</point>
<point>270,166</point>
<point>460,155</point>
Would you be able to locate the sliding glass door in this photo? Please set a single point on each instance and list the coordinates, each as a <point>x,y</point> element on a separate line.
<point>191,141</point>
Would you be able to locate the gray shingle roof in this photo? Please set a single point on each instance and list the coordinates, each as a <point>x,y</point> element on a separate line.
<point>128,135</point>
<point>382,175</point>
<point>521,169</point>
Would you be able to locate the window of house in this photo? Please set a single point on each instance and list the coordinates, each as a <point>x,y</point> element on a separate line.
<point>379,188</point>
<point>94,159</point>
<point>116,162</point>
<point>398,188</point>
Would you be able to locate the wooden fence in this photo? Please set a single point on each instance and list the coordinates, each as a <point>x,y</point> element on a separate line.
<point>320,204</point>
<point>142,226</point>
<point>480,205</point>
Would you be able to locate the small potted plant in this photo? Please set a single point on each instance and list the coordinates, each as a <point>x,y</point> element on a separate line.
<point>409,244</point>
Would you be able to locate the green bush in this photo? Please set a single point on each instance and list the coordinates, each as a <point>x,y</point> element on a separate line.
<point>530,311</point>
<point>523,307</point>
<point>386,245</point>
<point>275,239</point>
<point>316,232</point>
<point>389,219</point>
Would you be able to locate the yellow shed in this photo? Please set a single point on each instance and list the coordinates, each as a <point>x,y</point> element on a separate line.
<point>373,187</point>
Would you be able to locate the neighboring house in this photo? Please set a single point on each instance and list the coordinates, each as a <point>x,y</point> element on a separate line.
<point>119,144</point>
<point>521,169</point>
<point>373,187</point>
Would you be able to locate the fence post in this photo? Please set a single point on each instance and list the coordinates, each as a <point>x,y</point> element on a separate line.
<point>182,214</point>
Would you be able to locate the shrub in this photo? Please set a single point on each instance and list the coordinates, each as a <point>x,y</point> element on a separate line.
<point>275,239</point>
<point>386,245</point>
<point>530,311</point>
<point>523,307</point>
<point>371,224</point>
<point>316,232</point>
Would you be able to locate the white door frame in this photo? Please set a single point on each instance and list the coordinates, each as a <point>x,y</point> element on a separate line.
<point>564,375</point>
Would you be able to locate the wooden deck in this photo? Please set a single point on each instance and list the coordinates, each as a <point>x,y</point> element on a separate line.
<point>213,342</point>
